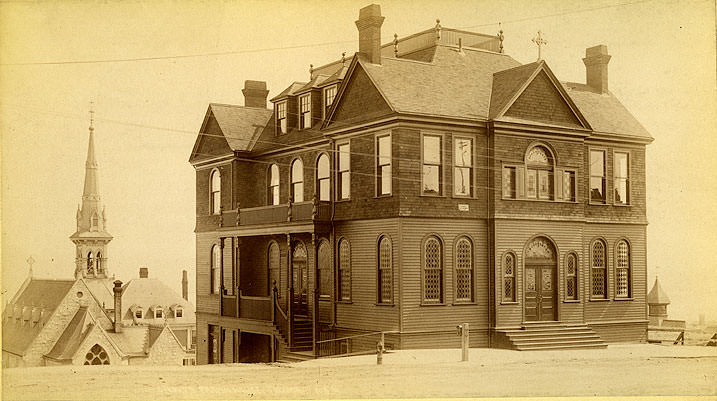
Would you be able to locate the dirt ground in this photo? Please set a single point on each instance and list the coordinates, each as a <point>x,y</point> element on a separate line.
<point>619,370</point>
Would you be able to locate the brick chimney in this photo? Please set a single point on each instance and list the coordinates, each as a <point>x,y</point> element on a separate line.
<point>118,305</point>
<point>596,59</point>
<point>255,94</point>
<point>185,286</point>
<point>369,27</point>
<point>143,272</point>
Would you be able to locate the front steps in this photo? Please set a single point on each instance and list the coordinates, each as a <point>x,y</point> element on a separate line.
<point>534,336</point>
<point>303,335</point>
<point>296,356</point>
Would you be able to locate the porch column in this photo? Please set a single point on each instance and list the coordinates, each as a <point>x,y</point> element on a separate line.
<point>315,292</point>
<point>221,278</point>
<point>290,301</point>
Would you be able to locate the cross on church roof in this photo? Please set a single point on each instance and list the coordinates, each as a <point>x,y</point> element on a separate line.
<point>538,40</point>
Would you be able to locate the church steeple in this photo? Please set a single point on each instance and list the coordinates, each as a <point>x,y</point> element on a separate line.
<point>91,237</point>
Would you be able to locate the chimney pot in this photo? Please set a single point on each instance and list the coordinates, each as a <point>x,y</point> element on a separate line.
<point>143,272</point>
<point>118,306</point>
<point>255,93</point>
<point>369,27</point>
<point>596,60</point>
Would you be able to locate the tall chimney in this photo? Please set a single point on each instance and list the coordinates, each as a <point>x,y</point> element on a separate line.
<point>596,59</point>
<point>185,286</point>
<point>143,272</point>
<point>255,94</point>
<point>118,305</point>
<point>369,27</point>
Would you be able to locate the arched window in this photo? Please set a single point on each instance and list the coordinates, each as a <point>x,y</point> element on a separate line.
<point>97,356</point>
<point>509,277</point>
<point>571,276</point>
<point>464,270</point>
<point>598,275</point>
<point>344,276</point>
<point>322,177</point>
<point>99,262</point>
<point>90,263</point>
<point>273,185</point>
<point>215,273</point>
<point>297,180</point>
<point>432,270</point>
<point>539,180</point>
<point>274,263</point>
<point>324,260</point>
<point>622,270</point>
<point>216,191</point>
<point>385,271</point>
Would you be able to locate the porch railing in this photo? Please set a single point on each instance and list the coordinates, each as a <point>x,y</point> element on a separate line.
<point>302,211</point>
<point>281,321</point>
<point>245,306</point>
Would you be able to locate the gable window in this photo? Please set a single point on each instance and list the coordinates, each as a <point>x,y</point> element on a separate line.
<point>344,171</point>
<point>329,96</point>
<point>569,186</point>
<point>385,270</point>
<point>509,277</point>
<point>297,181</point>
<point>597,176</point>
<point>622,270</point>
<point>274,261</point>
<point>509,182</point>
<point>281,117</point>
<point>322,177</point>
<point>432,160</point>
<point>432,270</point>
<point>344,276</point>
<point>305,111</point>
<point>273,193</point>
<point>598,270</point>
<point>215,274</point>
<point>464,270</point>
<point>571,277</point>
<point>216,195</point>
<point>462,166</point>
<point>622,178</point>
<point>540,173</point>
<point>383,168</point>
<point>97,356</point>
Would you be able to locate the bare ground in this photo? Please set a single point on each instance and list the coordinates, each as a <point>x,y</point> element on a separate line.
<point>620,370</point>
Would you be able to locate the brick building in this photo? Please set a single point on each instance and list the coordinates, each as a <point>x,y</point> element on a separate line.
<point>417,185</point>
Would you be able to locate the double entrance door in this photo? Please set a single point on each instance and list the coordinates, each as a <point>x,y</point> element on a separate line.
<point>540,292</point>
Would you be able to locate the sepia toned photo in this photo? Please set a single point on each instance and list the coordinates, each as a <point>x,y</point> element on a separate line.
<point>338,199</point>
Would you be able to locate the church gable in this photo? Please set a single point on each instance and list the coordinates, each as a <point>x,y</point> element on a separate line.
<point>542,102</point>
<point>360,100</point>
<point>211,141</point>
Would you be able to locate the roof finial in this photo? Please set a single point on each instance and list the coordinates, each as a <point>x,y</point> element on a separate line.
<point>30,261</point>
<point>538,40</point>
<point>92,116</point>
<point>438,30</point>
<point>395,45</point>
<point>343,58</point>
<point>500,38</point>
<point>311,71</point>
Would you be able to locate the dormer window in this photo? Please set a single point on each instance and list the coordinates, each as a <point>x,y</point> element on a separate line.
<point>138,313</point>
<point>158,313</point>
<point>281,117</point>
<point>179,312</point>
<point>329,95</point>
<point>305,111</point>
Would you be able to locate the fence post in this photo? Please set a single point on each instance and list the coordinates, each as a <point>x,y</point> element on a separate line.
<point>379,350</point>
<point>464,342</point>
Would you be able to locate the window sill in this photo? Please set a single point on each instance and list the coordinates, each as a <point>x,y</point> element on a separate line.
<point>433,304</point>
<point>383,196</point>
<point>509,303</point>
<point>571,301</point>
<point>432,195</point>
<point>342,200</point>
<point>599,300</point>
<point>624,299</point>
<point>622,204</point>
<point>345,302</point>
<point>539,200</point>
<point>384,304</point>
<point>464,197</point>
<point>460,303</point>
<point>590,203</point>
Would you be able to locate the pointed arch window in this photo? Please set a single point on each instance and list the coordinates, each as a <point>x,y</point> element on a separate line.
<point>598,270</point>
<point>385,271</point>
<point>432,270</point>
<point>344,276</point>
<point>215,272</point>
<point>509,265</point>
<point>297,180</point>
<point>99,263</point>
<point>539,180</point>
<point>97,356</point>
<point>622,270</point>
<point>273,195</point>
<point>571,277</point>
<point>216,191</point>
<point>322,177</point>
<point>464,270</point>
<point>90,263</point>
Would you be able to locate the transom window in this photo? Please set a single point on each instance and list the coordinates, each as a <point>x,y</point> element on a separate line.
<point>539,184</point>
<point>305,111</point>
<point>432,271</point>
<point>462,166</point>
<point>385,270</point>
<point>509,277</point>
<point>383,168</point>
<point>598,275</point>
<point>344,276</point>
<point>344,171</point>
<point>216,192</point>
<point>571,277</point>
<point>274,184</point>
<point>297,180</point>
<point>597,176</point>
<point>281,117</point>
<point>432,163</point>
<point>215,273</point>
<point>97,356</point>
<point>622,270</point>
<point>622,178</point>
<point>323,177</point>
<point>329,95</point>
<point>464,270</point>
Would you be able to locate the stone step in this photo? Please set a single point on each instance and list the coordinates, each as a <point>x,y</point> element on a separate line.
<point>551,330</point>
<point>561,347</point>
<point>555,333</point>
<point>553,340</point>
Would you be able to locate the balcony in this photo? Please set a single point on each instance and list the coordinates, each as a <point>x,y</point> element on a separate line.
<point>276,214</point>
<point>247,307</point>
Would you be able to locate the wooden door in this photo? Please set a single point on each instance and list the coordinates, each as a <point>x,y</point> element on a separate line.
<point>300,279</point>
<point>540,292</point>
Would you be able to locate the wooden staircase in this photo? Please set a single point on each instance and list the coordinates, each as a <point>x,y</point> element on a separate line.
<point>303,334</point>
<point>535,336</point>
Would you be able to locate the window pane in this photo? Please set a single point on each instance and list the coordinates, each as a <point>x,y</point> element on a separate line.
<point>597,192</point>
<point>463,152</point>
<point>324,190</point>
<point>216,202</point>
<point>344,157</point>
<point>621,165</point>
<point>621,191</point>
<point>462,181</point>
<point>297,171</point>
<point>344,271</point>
<point>464,270</point>
<point>275,195</point>
<point>385,271</point>
<point>431,149</point>
<point>545,184</point>
<point>569,186</point>
<point>384,150</point>
<point>433,274</point>
<point>431,179</point>
<point>282,125</point>
<point>531,189</point>
<point>274,174</point>
<point>509,182</point>
<point>385,180</point>
<point>323,166</point>
<point>299,192</point>
<point>597,163</point>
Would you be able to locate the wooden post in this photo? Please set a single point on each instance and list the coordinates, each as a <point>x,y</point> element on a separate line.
<point>380,349</point>
<point>290,286</point>
<point>221,276</point>
<point>464,342</point>
<point>315,294</point>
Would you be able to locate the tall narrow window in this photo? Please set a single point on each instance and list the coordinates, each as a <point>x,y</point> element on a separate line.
<point>432,271</point>
<point>100,268</point>
<point>385,271</point>
<point>571,277</point>
<point>281,117</point>
<point>274,184</point>
<point>383,168</point>
<point>462,166</point>
<point>216,188</point>
<point>297,180</point>
<point>464,270</point>
<point>540,173</point>
<point>509,277</point>
<point>324,261</point>
<point>215,272</point>
<point>329,95</point>
<point>569,186</point>
<point>432,160</point>
<point>274,263</point>
<point>597,176</point>
<point>622,178</point>
<point>344,276</point>
<point>598,275</point>
<point>90,263</point>
<point>305,111</point>
<point>509,182</point>
<point>344,171</point>
<point>323,177</point>
<point>622,270</point>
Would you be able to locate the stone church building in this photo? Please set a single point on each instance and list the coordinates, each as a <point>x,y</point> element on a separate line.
<point>420,184</point>
<point>93,319</point>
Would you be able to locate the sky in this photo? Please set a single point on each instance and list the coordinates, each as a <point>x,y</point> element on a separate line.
<point>152,67</point>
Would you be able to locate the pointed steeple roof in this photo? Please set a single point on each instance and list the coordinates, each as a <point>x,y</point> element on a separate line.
<point>92,190</point>
<point>657,295</point>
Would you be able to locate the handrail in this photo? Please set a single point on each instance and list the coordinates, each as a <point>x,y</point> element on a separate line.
<point>349,337</point>
<point>255,298</point>
<point>283,314</point>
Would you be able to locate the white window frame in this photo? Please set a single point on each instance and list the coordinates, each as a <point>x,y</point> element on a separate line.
<point>274,189</point>
<point>343,173</point>
<point>514,189</point>
<point>215,205</point>
<point>305,114</point>
<point>470,167</point>
<point>440,164</point>
<point>320,179</point>
<point>327,104</point>
<point>615,178</point>
<point>592,150</point>
<point>381,163</point>
<point>282,125</point>
<point>295,182</point>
